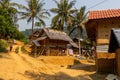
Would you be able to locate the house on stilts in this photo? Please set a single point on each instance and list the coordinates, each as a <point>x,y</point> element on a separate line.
<point>50,42</point>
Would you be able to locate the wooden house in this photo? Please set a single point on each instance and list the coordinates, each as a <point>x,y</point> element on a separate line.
<point>115,47</point>
<point>98,28</point>
<point>34,35</point>
<point>51,42</point>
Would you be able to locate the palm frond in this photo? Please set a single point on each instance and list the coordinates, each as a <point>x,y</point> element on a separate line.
<point>55,10</point>
<point>58,4</point>
<point>72,3</point>
<point>42,22</point>
<point>29,19</point>
<point>55,19</point>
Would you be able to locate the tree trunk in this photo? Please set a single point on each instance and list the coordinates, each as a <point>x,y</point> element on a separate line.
<point>79,41</point>
<point>32,24</point>
<point>62,23</point>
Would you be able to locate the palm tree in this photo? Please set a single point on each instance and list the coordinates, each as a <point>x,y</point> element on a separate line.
<point>63,13</point>
<point>34,10</point>
<point>78,22</point>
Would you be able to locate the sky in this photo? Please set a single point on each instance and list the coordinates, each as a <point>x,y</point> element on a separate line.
<point>90,5</point>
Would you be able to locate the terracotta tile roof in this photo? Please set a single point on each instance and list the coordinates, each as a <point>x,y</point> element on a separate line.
<point>100,14</point>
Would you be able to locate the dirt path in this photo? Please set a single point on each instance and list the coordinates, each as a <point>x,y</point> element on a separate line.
<point>23,67</point>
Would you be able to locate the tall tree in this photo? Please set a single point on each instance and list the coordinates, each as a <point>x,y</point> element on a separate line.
<point>10,7</point>
<point>63,13</point>
<point>34,10</point>
<point>78,22</point>
<point>6,26</point>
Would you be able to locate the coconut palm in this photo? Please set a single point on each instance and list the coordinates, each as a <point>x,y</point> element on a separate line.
<point>78,22</point>
<point>79,19</point>
<point>34,10</point>
<point>63,13</point>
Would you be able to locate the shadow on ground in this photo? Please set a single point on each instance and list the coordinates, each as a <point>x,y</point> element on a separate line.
<point>57,76</point>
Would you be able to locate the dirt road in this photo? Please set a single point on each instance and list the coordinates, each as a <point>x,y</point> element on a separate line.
<point>23,67</point>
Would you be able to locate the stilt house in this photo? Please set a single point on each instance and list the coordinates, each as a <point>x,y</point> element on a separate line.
<point>51,42</point>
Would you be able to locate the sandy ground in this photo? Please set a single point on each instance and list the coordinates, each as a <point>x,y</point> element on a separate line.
<point>23,67</point>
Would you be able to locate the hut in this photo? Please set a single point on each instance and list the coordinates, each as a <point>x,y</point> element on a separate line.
<point>51,42</point>
<point>35,34</point>
<point>98,26</point>
<point>114,46</point>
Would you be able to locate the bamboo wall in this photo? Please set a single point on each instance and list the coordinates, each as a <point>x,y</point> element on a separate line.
<point>55,47</point>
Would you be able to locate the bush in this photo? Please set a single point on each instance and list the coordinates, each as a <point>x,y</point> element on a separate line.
<point>17,50</point>
<point>23,49</point>
<point>25,40</point>
<point>3,45</point>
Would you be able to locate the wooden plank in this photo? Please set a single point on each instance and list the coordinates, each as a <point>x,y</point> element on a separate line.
<point>118,61</point>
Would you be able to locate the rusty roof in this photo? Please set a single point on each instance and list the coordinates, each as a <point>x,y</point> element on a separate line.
<point>101,14</point>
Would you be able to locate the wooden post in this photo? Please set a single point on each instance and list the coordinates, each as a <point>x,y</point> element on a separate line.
<point>67,52</point>
<point>118,61</point>
<point>35,51</point>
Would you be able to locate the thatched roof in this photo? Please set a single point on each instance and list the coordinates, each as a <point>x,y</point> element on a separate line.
<point>57,35</point>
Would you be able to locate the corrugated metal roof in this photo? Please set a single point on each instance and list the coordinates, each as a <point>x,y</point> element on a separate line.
<point>36,43</point>
<point>73,44</point>
<point>114,40</point>
<point>41,38</point>
<point>100,14</point>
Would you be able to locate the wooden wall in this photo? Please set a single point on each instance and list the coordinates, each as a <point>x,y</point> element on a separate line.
<point>55,47</point>
<point>118,61</point>
<point>105,63</point>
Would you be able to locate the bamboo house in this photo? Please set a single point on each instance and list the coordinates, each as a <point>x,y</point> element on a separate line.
<point>50,42</point>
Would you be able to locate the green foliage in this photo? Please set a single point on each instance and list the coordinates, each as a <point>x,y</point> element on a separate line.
<point>25,40</point>
<point>3,46</point>
<point>78,23</point>
<point>34,10</point>
<point>6,26</point>
<point>17,50</point>
<point>87,43</point>
<point>63,13</point>
<point>23,49</point>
